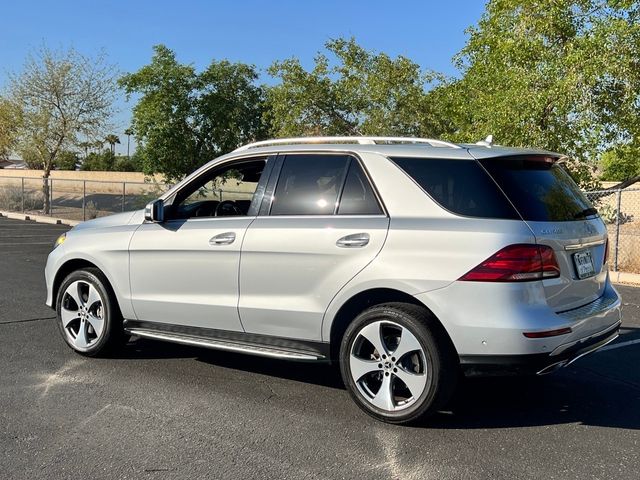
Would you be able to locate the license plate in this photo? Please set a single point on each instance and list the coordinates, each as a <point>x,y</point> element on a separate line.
<point>584,264</point>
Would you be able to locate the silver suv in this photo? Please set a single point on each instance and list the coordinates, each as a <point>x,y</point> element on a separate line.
<point>405,260</point>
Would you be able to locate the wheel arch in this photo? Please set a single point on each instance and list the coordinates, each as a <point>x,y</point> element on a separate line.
<point>73,265</point>
<point>359,302</point>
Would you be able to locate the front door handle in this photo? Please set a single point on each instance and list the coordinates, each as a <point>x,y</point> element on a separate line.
<point>225,238</point>
<point>353,240</point>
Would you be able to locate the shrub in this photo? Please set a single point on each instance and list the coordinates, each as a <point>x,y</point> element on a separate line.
<point>11,199</point>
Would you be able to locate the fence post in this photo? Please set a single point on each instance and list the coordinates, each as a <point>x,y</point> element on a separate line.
<point>617,244</point>
<point>51,197</point>
<point>124,193</point>
<point>22,195</point>
<point>84,200</point>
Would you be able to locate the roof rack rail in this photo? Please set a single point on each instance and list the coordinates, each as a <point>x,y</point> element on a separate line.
<point>346,140</point>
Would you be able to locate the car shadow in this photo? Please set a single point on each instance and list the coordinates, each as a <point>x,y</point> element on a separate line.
<point>599,390</point>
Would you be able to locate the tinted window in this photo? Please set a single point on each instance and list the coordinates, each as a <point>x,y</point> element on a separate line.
<point>539,188</point>
<point>309,184</point>
<point>460,186</point>
<point>358,197</point>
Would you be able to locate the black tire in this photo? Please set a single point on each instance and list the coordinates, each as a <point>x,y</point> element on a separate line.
<point>112,333</point>
<point>440,362</point>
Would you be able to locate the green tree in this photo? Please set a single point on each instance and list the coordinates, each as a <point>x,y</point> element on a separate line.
<point>103,161</point>
<point>112,140</point>
<point>185,118</point>
<point>621,163</point>
<point>10,122</point>
<point>63,97</point>
<point>557,74</point>
<point>128,132</point>
<point>352,91</point>
<point>67,160</point>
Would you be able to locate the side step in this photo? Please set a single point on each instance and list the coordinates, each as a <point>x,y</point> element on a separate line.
<point>219,344</point>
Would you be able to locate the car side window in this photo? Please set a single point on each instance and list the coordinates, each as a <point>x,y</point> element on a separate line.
<point>358,197</point>
<point>309,184</point>
<point>225,191</point>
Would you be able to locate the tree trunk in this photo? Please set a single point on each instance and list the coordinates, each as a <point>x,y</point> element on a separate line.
<point>46,191</point>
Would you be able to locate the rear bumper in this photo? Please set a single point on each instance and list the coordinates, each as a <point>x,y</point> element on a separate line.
<point>487,365</point>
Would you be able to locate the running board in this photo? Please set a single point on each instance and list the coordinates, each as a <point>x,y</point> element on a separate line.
<point>226,345</point>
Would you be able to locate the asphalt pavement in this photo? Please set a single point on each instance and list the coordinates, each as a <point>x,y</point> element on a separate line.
<point>163,411</point>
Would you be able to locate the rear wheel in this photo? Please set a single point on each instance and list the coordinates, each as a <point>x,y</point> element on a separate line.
<point>396,363</point>
<point>87,314</point>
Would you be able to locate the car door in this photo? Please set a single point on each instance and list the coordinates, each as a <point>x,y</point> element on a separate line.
<point>320,224</point>
<point>184,271</point>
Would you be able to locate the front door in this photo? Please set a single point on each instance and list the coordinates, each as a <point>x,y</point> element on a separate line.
<point>184,271</point>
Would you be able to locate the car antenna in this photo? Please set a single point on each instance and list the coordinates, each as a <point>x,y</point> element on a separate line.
<point>487,142</point>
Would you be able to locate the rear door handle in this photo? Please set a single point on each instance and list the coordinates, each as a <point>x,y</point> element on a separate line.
<point>225,238</point>
<point>353,240</point>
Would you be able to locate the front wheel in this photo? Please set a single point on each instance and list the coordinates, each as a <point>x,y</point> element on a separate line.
<point>397,364</point>
<point>87,314</point>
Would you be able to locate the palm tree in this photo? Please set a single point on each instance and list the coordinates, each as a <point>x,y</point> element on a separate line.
<point>128,132</point>
<point>112,140</point>
<point>85,146</point>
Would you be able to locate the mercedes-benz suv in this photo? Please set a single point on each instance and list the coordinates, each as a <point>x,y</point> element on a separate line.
<point>405,260</point>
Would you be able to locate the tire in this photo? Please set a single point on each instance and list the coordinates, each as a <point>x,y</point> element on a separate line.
<point>87,313</point>
<point>414,385</point>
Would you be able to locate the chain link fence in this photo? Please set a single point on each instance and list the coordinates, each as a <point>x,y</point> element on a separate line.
<point>620,210</point>
<point>87,199</point>
<point>75,199</point>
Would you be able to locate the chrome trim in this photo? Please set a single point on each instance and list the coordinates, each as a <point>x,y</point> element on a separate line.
<point>561,348</point>
<point>578,246</point>
<point>597,347</point>
<point>222,345</point>
<point>359,140</point>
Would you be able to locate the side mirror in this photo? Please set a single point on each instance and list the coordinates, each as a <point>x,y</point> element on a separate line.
<point>154,211</point>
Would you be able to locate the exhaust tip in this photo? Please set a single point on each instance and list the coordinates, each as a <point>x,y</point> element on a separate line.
<point>553,367</point>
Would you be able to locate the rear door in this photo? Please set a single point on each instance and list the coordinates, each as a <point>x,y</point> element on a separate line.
<point>560,216</point>
<point>320,224</point>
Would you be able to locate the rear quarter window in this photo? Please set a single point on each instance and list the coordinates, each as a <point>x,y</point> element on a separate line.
<point>539,188</point>
<point>461,186</point>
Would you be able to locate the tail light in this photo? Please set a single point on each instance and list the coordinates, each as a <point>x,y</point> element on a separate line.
<point>606,251</point>
<point>516,263</point>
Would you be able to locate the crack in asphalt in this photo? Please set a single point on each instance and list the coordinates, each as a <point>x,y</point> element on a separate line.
<point>27,320</point>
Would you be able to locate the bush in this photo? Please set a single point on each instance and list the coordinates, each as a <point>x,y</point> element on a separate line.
<point>609,214</point>
<point>11,199</point>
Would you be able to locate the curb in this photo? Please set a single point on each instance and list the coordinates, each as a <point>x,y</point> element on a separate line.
<point>624,278</point>
<point>39,218</point>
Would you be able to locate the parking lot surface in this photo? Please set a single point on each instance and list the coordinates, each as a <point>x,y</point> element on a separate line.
<point>163,411</point>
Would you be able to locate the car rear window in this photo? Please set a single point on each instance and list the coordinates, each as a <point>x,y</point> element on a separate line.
<point>461,186</point>
<point>540,189</point>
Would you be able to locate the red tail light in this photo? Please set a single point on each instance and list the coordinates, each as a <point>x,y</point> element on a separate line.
<point>606,251</point>
<point>516,263</point>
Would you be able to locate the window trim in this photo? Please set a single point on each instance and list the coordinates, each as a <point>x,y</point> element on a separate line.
<point>269,160</point>
<point>267,201</point>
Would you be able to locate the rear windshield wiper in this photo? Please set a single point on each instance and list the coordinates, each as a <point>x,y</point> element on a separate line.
<point>586,213</point>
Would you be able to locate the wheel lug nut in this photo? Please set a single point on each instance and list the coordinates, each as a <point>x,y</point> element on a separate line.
<point>395,370</point>
<point>379,365</point>
<point>384,356</point>
<point>393,359</point>
<point>386,374</point>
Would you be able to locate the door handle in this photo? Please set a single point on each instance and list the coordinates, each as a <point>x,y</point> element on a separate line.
<point>353,240</point>
<point>225,238</point>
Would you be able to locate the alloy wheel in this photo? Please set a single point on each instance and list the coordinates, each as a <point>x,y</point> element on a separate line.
<point>388,365</point>
<point>82,314</point>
